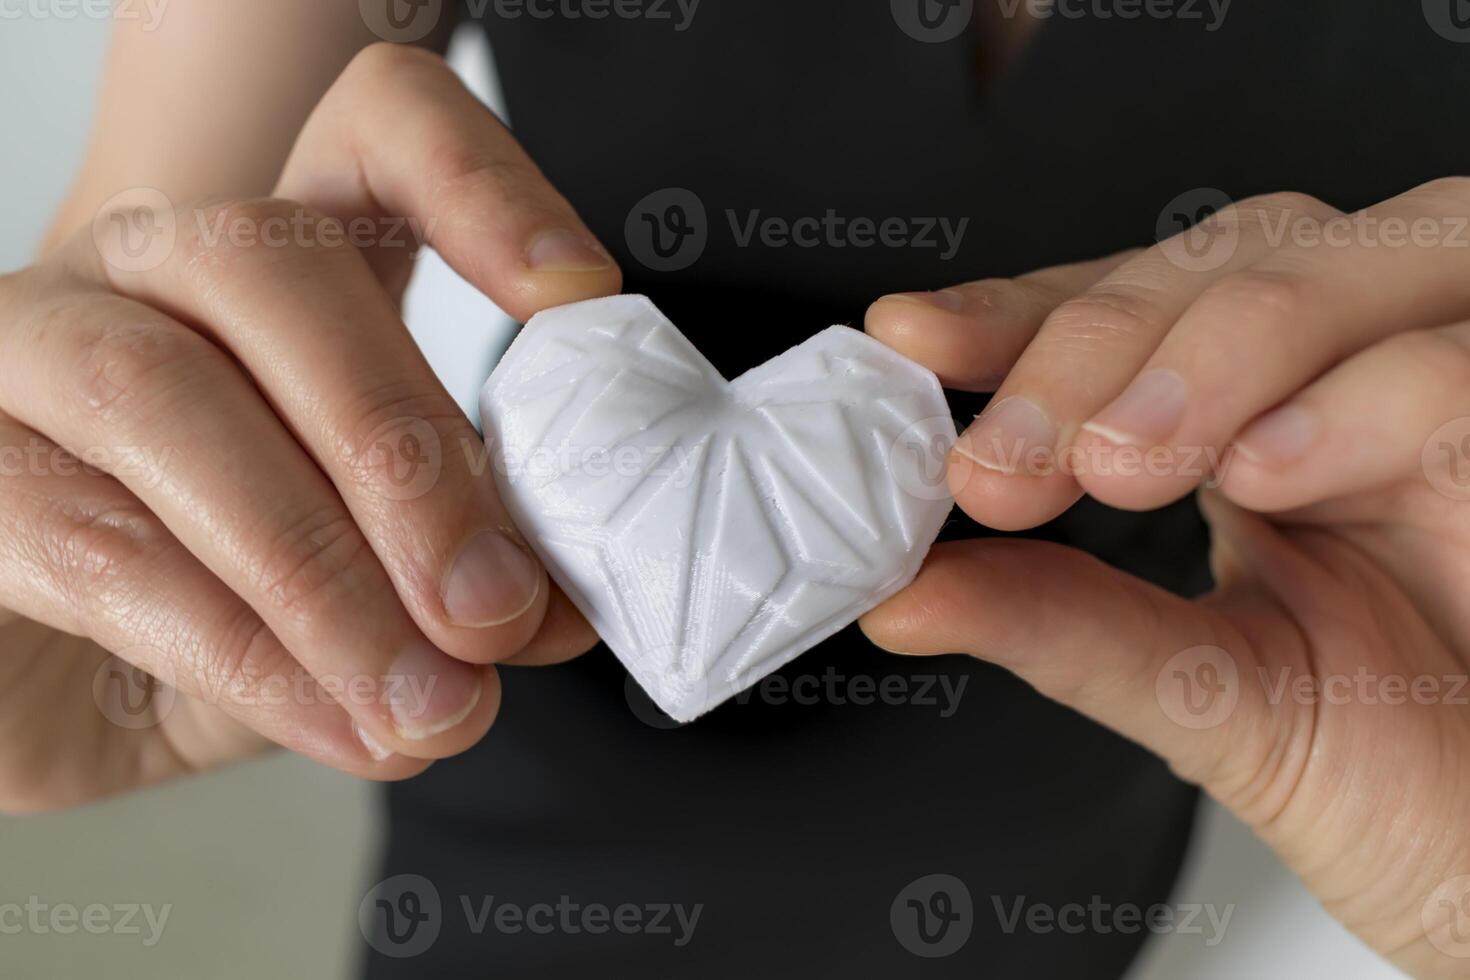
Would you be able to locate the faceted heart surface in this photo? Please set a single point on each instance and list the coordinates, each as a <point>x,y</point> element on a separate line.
<point>712,531</point>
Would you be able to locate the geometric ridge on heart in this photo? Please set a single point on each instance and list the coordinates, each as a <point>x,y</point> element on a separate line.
<point>712,530</point>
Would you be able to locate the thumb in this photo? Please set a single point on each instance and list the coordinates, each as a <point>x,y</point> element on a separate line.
<point>400,135</point>
<point>1173,675</point>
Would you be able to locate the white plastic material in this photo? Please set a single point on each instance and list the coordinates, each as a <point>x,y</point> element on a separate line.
<point>712,531</point>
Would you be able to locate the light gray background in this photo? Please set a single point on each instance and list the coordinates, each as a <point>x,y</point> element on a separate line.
<point>264,865</point>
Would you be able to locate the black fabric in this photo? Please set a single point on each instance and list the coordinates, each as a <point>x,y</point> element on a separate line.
<point>797,825</point>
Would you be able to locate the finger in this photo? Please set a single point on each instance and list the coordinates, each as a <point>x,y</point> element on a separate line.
<point>168,413</point>
<point>1256,336</point>
<point>1395,412</point>
<point>81,554</point>
<point>1012,469</point>
<point>1108,645</point>
<point>564,635</point>
<point>400,135</point>
<point>970,335</point>
<point>323,340</point>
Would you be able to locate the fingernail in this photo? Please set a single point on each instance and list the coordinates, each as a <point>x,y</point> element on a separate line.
<point>1147,413</point>
<point>560,250</point>
<point>429,692</point>
<point>1279,437</point>
<point>1010,437</point>
<point>493,581</point>
<point>373,746</point>
<point>949,300</point>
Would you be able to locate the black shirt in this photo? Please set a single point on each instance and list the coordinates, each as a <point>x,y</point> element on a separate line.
<point>797,817</point>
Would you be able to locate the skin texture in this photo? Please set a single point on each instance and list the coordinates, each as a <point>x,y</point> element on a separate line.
<point>237,576</point>
<point>248,540</point>
<point>1330,661</point>
<point>245,399</point>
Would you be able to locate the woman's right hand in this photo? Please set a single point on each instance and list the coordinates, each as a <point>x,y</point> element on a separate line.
<point>284,518</point>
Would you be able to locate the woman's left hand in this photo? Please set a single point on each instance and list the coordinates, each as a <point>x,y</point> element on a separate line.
<point>1312,371</point>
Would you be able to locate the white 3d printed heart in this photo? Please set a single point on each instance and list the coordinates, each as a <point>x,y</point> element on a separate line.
<point>712,531</point>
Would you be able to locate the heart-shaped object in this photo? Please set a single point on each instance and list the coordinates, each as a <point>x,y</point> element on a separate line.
<point>712,531</point>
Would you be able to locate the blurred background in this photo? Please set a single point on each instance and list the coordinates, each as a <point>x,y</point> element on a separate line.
<point>261,868</point>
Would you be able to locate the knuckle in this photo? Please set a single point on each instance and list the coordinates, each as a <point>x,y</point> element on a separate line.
<point>97,552</point>
<point>222,241</point>
<point>1265,764</point>
<point>1011,294</point>
<point>396,424</point>
<point>244,662</point>
<point>316,562</point>
<point>1101,318</point>
<point>128,371</point>
<point>1258,299</point>
<point>1291,202</point>
<point>1438,358</point>
<point>483,172</point>
<point>222,212</point>
<point>465,173</point>
<point>1443,195</point>
<point>384,61</point>
<point>47,314</point>
<point>1288,202</point>
<point>216,237</point>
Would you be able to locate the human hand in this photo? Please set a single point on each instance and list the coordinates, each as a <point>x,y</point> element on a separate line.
<point>285,520</point>
<point>1317,383</point>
